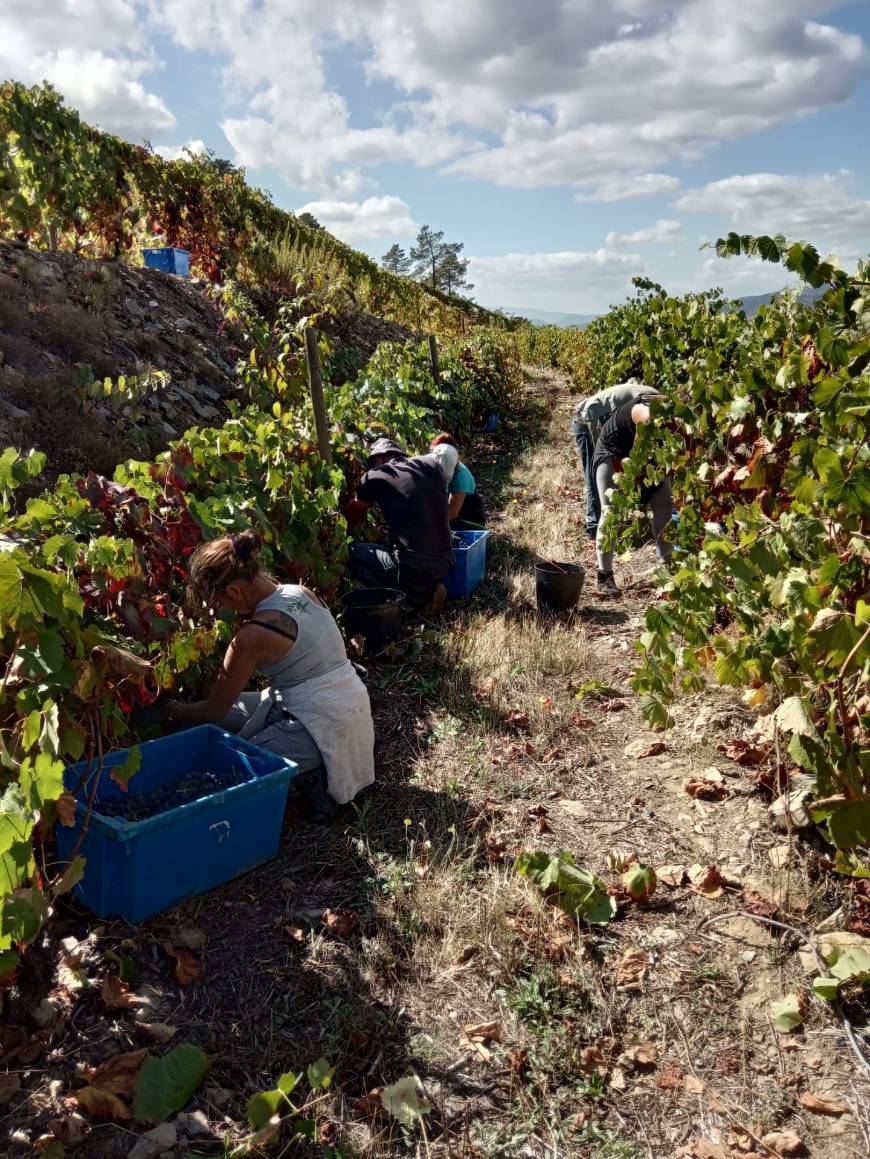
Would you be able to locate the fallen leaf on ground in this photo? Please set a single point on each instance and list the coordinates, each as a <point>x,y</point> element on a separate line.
<point>10,1085</point>
<point>295,932</point>
<point>70,1129</point>
<point>643,748</point>
<point>693,1085</point>
<point>644,1054</point>
<point>785,1143</point>
<point>49,1147</point>
<point>705,790</point>
<point>583,722</point>
<point>370,1103</point>
<point>405,1100</point>
<point>517,1060</point>
<point>118,1074</point>
<point>672,875</point>
<point>102,1105</point>
<point>669,1078</point>
<point>744,753</point>
<point>639,882</point>
<point>66,809</point>
<point>822,1104</point>
<point>116,994</point>
<point>592,1061</point>
<point>483,1031</point>
<point>518,719</point>
<point>706,880</point>
<point>705,1149</point>
<point>552,755</point>
<point>495,846</point>
<point>157,1031</point>
<point>631,968</point>
<point>466,954</point>
<point>788,1013</point>
<point>188,967</point>
<point>756,903</point>
<point>617,1079</point>
<point>343,923</point>
<point>620,857</point>
<point>612,705</point>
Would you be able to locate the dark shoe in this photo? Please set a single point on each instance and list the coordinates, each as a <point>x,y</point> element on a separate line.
<point>439,599</point>
<point>606,585</point>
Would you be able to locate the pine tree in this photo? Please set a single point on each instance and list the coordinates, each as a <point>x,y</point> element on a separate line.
<point>396,261</point>
<point>426,254</point>
<point>310,220</point>
<point>452,269</point>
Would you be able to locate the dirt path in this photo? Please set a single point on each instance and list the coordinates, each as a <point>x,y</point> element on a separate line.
<point>500,732</point>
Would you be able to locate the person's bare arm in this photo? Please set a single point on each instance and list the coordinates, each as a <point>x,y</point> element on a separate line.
<point>238,667</point>
<point>454,504</point>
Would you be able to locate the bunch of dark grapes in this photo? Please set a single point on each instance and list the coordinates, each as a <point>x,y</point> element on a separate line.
<point>171,794</point>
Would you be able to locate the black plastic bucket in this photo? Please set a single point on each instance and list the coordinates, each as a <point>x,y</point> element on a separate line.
<point>375,613</point>
<point>558,585</point>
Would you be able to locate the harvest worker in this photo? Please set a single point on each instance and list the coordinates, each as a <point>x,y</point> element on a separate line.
<point>589,415</point>
<point>315,710</point>
<point>412,496</point>
<point>615,442</point>
<point>465,506</point>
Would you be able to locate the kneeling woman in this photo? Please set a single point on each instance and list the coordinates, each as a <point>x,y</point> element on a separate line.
<point>315,710</point>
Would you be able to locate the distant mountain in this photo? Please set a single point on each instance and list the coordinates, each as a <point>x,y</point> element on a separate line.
<point>550,317</point>
<point>750,304</point>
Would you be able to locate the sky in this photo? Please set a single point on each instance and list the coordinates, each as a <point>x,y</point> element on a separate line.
<point>569,144</point>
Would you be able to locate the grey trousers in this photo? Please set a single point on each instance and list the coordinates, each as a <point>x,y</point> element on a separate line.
<point>661,506</point>
<point>286,738</point>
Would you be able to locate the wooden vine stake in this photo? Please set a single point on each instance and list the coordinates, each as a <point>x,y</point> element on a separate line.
<point>433,358</point>
<point>315,386</point>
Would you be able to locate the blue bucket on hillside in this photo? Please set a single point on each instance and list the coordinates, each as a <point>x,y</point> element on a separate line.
<point>134,869</point>
<point>469,563</point>
<point>491,424</point>
<point>169,260</point>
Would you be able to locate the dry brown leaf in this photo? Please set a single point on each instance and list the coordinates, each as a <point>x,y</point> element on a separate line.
<point>102,1105</point>
<point>644,1054</point>
<point>10,1085</point>
<point>70,1129</point>
<point>517,1060</point>
<point>639,749</point>
<point>583,722</point>
<point>188,967</point>
<point>744,753</point>
<point>756,903</point>
<point>592,1061</point>
<point>669,1078</point>
<point>369,1104</point>
<point>705,790</point>
<point>706,880</point>
<point>483,1032</point>
<point>706,1149</point>
<point>116,994</point>
<point>342,923</point>
<point>296,933</point>
<point>551,756</point>
<point>495,846</point>
<point>822,1104</point>
<point>466,954</point>
<point>693,1085</point>
<point>157,1031</point>
<point>631,968</point>
<point>617,1079</point>
<point>785,1143</point>
<point>672,875</point>
<point>66,809</point>
<point>620,857</point>
<point>118,1074</point>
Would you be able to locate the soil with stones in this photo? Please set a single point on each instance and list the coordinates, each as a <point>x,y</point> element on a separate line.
<point>499,731</point>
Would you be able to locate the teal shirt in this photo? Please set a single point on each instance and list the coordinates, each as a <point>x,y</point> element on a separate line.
<point>462,480</point>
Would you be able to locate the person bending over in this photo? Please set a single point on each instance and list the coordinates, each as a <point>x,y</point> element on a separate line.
<point>586,422</point>
<point>315,710</point>
<point>412,497</point>
<point>464,504</point>
<point>615,443</point>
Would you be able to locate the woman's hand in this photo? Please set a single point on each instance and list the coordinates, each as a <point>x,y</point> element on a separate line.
<point>178,710</point>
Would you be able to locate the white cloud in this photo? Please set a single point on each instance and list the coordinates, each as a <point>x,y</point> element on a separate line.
<point>660,233</point>
<point>566,281</point>
<point>740,276</point>
<point>561,92</point>
<point>626,188</point>
<point>355,221</point>
<point>94,51</point>
<point>177,152</point>
<point>820,209</point>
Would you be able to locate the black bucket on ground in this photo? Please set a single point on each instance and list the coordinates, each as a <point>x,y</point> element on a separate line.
<point>375,613</point>
<point>558,585</point>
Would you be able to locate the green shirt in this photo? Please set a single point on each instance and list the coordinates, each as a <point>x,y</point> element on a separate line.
<point>462,480</point>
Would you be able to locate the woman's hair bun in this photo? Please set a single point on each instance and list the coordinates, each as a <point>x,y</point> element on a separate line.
<point>248,544</point>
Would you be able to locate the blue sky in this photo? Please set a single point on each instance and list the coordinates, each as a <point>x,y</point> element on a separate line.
<point>569,144</point>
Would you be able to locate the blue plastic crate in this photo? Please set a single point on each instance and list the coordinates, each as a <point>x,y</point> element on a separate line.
<point>137,868</point>
<point>469,563</point>
<point>169,260</point>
